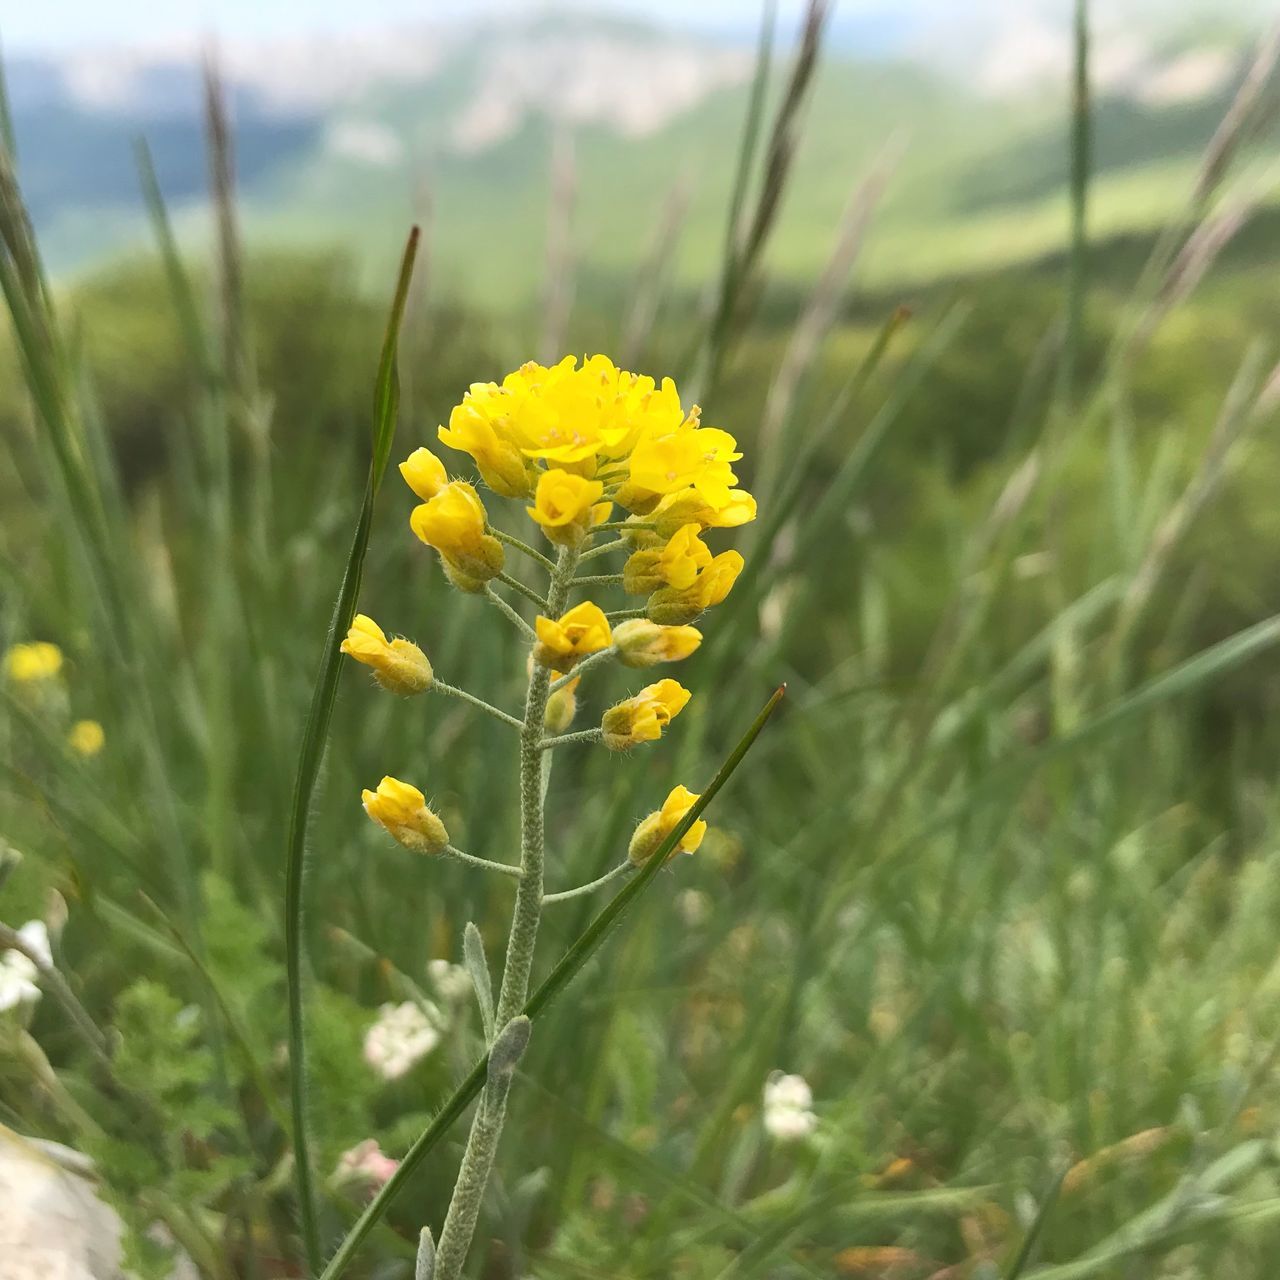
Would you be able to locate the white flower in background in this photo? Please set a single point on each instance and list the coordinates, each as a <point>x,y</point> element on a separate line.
<point>402,1036</point>
<point>365,1162</point>
<point>451,981</point>
<point>787,1107</point>
<point>693,907</point>
<point>17,972</point>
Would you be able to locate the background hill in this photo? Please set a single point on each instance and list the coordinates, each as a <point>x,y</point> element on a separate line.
<point>346,140</point>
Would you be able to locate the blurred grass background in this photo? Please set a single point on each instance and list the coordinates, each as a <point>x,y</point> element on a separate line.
<point>1000,881</point>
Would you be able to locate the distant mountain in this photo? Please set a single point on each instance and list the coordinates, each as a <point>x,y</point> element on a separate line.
<point>347,140</point>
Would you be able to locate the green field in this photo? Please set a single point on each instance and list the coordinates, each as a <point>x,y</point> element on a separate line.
<point>999,879</point>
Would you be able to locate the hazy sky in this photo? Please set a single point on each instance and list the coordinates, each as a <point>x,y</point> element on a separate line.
<point>61,24</point>
<point>57,24</point>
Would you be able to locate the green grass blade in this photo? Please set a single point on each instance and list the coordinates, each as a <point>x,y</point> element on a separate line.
<point>555,982</point>
<point>314,736</point>
<point>1037,1226</point>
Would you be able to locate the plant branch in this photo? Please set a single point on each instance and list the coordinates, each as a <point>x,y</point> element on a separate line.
<point>545,561</point>
<point>520,624</point>
<point>584,889</point>
<point>452,691</point>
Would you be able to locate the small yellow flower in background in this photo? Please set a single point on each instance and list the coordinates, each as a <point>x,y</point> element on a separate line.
<point>478,426</point>
<point>673,607</point>
<point>454,523</point>
<point>583,630</point>
<point>562,706</point>
<point>30,663</point>
<point>642,718</point>
<point>654,829</point>
<point>398,665</point>
<point>402,810</point>
<point>86,737</point>
<point>641,643</point>
<point>424,473</point>
<point>564,505</point>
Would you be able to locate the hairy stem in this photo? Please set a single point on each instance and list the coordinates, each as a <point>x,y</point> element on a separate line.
<point>486,1126</point>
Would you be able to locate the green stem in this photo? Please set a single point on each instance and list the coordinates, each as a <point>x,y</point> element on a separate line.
<point>520,624</point>
<point>528,592</point>
<point>591,887</point>
<point>619,615</point>
<point>483,863</point>
<point>563,740</point>
<point>548,564</point>
<point>453,691</point>
<point>605,547</point>
<point>486,1125</point>
<point>580,668</point>
<point>569,965</point>
<point>598,579</point>
<point>628,525</point>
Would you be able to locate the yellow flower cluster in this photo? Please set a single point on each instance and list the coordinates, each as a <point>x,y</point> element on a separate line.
<point>572,442</point>
<point>36,668</point>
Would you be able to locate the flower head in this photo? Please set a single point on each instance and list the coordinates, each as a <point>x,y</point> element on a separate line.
<point>398,665</point>
<point>566,505</point>
<point>34,662</point>
<point>480,427</point>
<point>402,810</point>
<point>691,457</point>
<point>654,829</point>
<point>642,718</point>
<point>401,1037</point>
<point>86,737</point>
<point>18,973</point>
<point>454,523</point>
<point>641,643</point>
<point>673,606</point>
<point>583,630</point>
<point>365,1162</point>
<point>424,473</point>
<point>688,506</point>
<point>787,1103</point>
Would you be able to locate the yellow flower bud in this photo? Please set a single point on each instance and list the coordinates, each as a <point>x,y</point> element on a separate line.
<point>654,829</point>
<point>643,717</point>
<point>674,607</point>
<point>472,430</point>
<point>675,565</point>
<point>583,630</point>
<point>86,737</point>
<point>402,810</point>
<point>424,473</point>
<point>564,505</point>
<point>398,665</point>
<point>30,663</point>
<point>562,706</point>
<point>688,507</point>
<point>454,523</point>
<point>641,643</point>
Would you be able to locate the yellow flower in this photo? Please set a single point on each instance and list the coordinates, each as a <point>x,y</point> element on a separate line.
<point>562,706</point>
<point>693,456</point>
<point>398,665</point>
<point>583,630</point>
<point>643,717</point>
<point>641,643</point>
<point>676,565</point>
<point>86,737</point>
<point>674,607</point>
<point>654,829</point>
<point>564,504</point>
<point>30,663</point>
<point>454,523</point>
<point>402,810</point>
<point>689,507</point>
<point>424,473</point>
<point>479,426</point>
